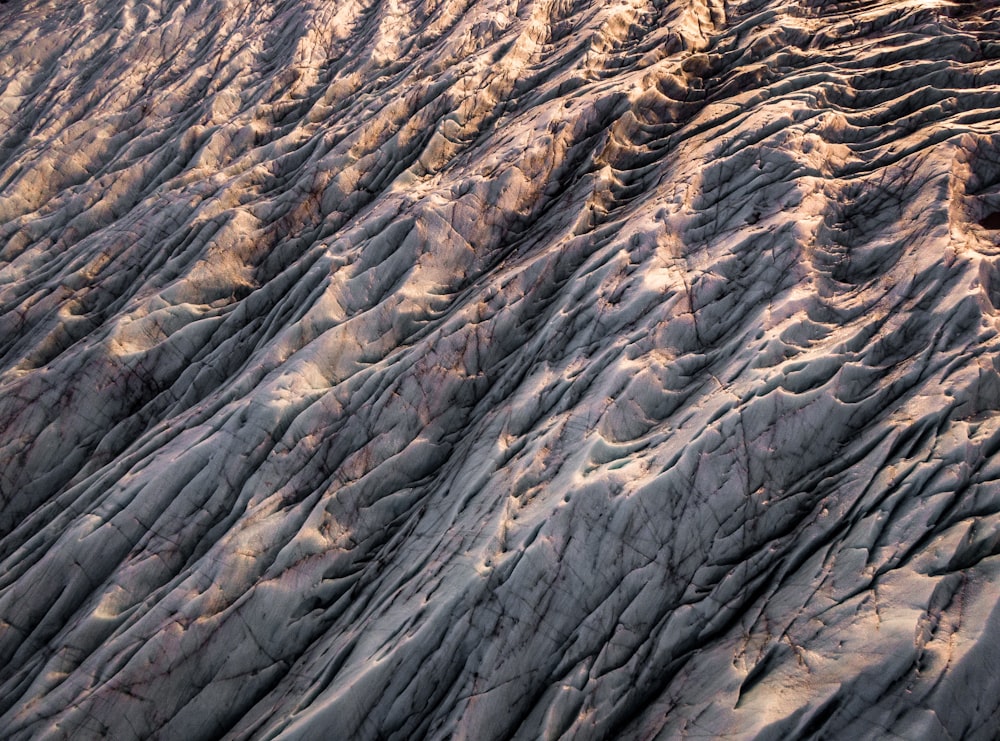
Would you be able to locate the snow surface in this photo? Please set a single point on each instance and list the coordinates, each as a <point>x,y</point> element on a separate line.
<point>481,369</point>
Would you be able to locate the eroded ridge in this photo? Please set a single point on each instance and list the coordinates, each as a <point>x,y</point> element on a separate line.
<point>482,369</point>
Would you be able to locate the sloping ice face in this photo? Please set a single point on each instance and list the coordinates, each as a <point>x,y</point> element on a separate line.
<point>478,369</point>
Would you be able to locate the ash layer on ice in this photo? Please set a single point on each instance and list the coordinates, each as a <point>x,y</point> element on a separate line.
<point>480,369</point>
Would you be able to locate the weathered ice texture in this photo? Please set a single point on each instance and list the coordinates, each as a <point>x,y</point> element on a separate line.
<point>487,369</point>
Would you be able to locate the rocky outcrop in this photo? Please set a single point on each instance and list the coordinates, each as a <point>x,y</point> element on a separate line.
<point>485,369</point>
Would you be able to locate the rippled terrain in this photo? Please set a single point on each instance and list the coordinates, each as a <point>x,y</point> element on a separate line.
<point>480,369</point>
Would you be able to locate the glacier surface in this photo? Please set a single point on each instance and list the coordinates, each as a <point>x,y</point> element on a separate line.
<point>487,369</point>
